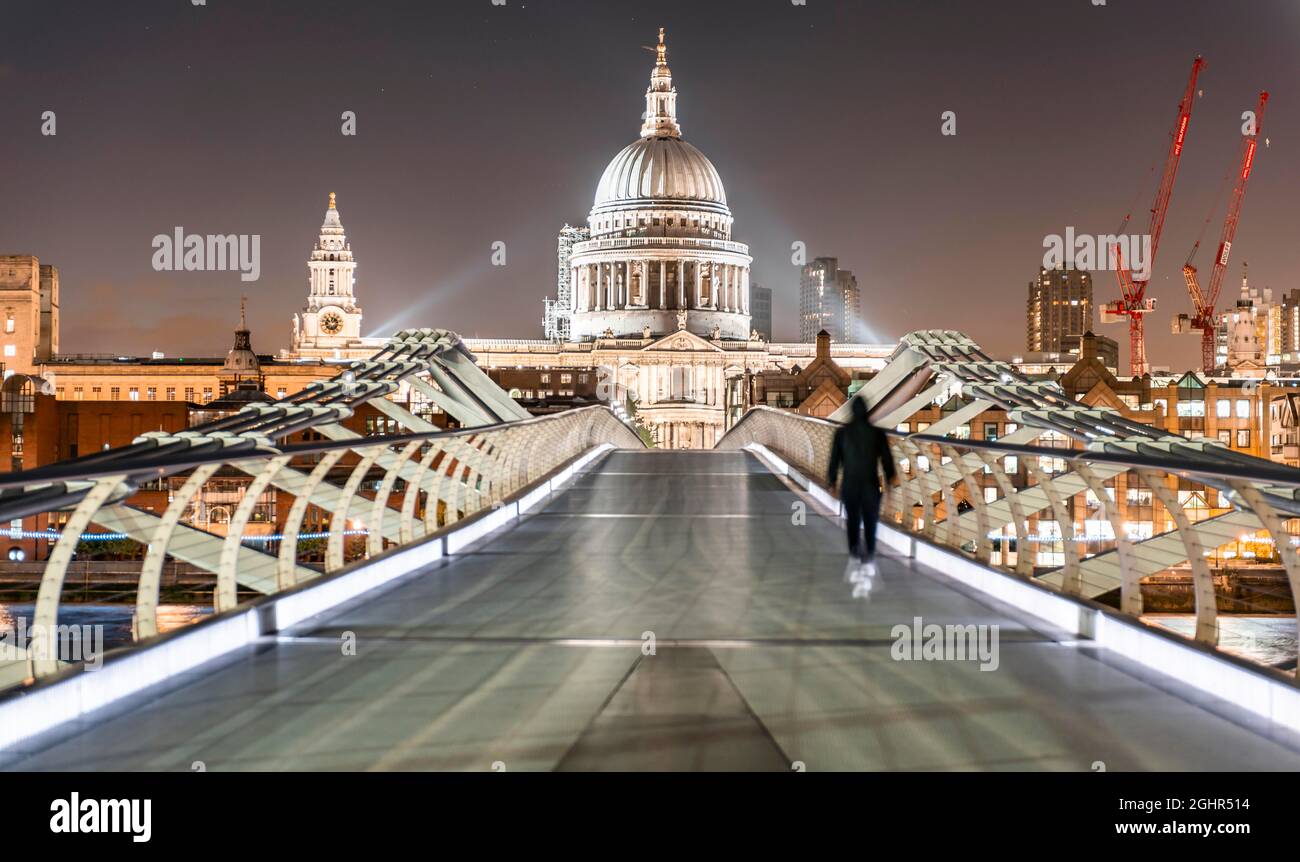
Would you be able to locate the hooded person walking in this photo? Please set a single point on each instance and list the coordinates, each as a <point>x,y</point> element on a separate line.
<point>861,452</point>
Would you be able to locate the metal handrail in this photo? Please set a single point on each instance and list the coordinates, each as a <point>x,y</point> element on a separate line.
<point>447,475</point>
<point>1263,471</point>
<point>939,475</point>
<point>180,461</point>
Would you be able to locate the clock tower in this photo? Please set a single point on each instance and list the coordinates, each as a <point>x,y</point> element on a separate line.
<point>331,319</point>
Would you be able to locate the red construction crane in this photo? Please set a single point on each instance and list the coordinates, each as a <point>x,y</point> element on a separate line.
<point>1203,302</point>
<point>1133,303</point>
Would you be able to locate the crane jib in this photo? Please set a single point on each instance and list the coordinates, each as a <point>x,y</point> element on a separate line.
<point>1131,302</point>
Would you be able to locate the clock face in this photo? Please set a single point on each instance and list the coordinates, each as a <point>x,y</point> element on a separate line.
<point>331,323</point>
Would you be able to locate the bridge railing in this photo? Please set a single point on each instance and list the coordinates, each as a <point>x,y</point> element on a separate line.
<point>393,490</point>
<point>1119,527</point>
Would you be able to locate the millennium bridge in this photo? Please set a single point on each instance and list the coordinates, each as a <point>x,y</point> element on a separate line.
<point>549,594</point>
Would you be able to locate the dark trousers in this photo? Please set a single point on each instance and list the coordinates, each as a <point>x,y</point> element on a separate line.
<point>862,510</point>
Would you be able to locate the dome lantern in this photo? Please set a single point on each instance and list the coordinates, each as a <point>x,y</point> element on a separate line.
<point>661,98</point>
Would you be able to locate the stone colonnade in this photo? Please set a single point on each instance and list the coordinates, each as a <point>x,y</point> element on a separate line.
<point>658,283</point>
<point>687,435</point>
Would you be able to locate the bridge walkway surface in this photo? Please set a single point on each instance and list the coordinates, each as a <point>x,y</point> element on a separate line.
<point>528,652</point>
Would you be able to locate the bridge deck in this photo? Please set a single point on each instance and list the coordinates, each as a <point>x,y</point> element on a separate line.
<point>528,652</point>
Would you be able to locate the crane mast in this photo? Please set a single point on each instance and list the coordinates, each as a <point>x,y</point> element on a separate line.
<point>1133,303</point>
<point>1205,302</point>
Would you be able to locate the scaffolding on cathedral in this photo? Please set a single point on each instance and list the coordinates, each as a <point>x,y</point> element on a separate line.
<point>555,312</point>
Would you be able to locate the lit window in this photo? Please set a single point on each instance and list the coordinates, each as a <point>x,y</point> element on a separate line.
<point>9,322</point>
<point>11,350</point>
<point>1223,408</point>
<point>1139,496</point>
<point>1243,408</point>
<point>1052,465</point>
<point>134,394</point>
<point>1243,438</point>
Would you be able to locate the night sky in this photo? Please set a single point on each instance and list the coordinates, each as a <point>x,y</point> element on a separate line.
<point>480,123</point>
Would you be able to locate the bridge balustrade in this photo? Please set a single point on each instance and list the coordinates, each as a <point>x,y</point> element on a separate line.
<point>1061,516</point>
<point>395,490</point>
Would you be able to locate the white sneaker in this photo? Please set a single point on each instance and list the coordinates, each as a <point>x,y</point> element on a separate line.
<point>864,579</point>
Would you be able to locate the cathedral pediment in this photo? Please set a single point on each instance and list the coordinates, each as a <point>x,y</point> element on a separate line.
<point>683,341</point>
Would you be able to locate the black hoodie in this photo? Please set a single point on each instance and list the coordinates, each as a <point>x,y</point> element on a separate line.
<point>858,446</point>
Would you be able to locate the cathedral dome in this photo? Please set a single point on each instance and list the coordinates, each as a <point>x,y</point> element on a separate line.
<point>660,170</point>
<point>657,256</point>
<point>654,169</point>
